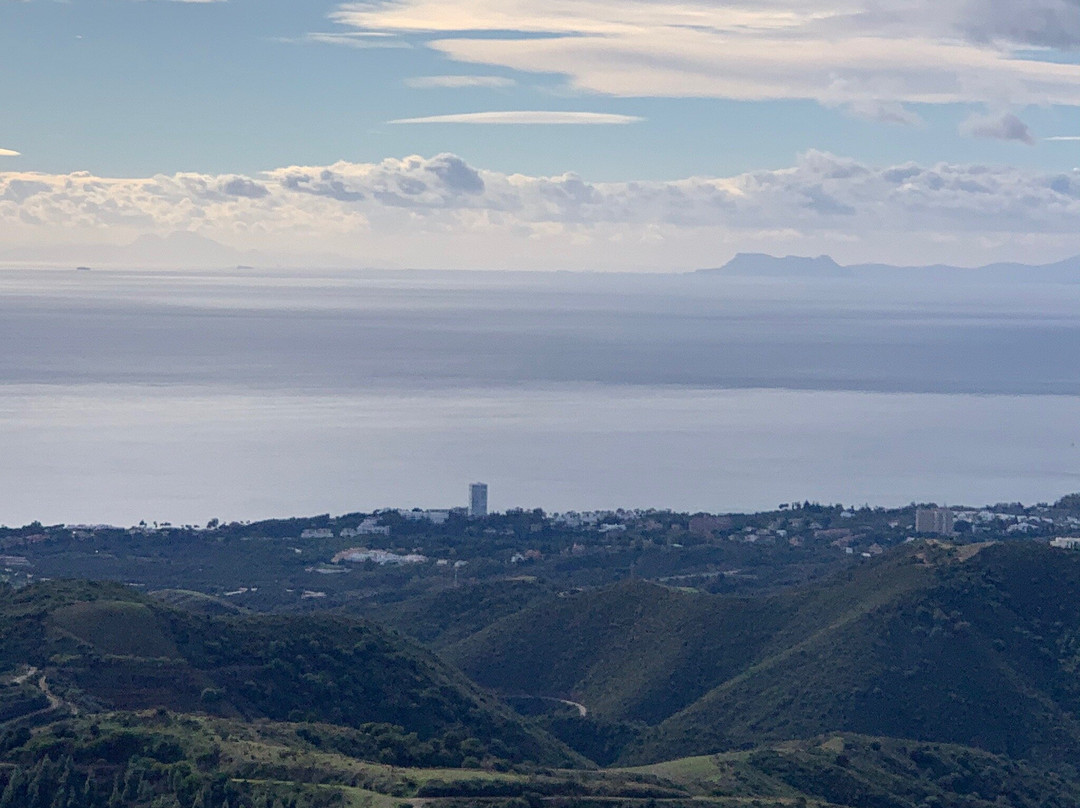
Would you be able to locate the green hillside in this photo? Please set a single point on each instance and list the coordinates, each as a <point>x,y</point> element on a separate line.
<point>159,759</point>
<point>933,677</point>
<point>445,616</point>
<point>975,645</point>
<point>103,646</point>
<point>856,770</point>
<point>636,651</point>
<point>199,602</point>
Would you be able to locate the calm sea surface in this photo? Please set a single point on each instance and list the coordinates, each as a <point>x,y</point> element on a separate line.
<point>249,394</point>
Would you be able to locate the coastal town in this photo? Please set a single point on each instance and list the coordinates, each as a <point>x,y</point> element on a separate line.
<point>359,557</point>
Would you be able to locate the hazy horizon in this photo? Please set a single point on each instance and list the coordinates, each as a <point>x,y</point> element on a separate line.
<point>511,137</point>
<point>195,395</point>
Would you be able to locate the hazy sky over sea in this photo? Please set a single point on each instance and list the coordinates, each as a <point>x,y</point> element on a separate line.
<point>347,330</point>
<point>279,139</point>
<point>186,396</point>
<point>504,134</point>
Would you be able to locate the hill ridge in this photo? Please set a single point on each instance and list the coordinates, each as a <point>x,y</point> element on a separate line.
<point>109,647</point>
<point>874,650</point>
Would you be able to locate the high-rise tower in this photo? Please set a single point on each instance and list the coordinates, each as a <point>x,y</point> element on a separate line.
<point>478,499</point>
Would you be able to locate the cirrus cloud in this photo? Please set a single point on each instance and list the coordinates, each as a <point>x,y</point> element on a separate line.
<point>458,82</point>
<point>862,54</point>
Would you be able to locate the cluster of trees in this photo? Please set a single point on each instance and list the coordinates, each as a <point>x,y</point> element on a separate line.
<point>143,783</point>
<point>895,775</point>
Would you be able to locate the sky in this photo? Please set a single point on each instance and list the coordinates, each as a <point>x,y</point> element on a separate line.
<point>593,134</point>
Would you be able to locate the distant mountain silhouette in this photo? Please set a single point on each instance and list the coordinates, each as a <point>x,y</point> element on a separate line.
<point>768,266</point>
<point>760,265</point>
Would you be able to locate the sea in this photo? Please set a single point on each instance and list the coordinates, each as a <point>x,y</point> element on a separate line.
<point>244,394</point>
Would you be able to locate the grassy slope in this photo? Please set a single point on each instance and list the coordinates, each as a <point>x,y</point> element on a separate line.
<point>446,616</point>
<point>643,651</point>
<point>927,642</point>
<point>915,640</point>
<point>198,602</point>
<point>633,651</point>
<point>107,646</point>
<point>835,770</point>
<point>943,660</point>
<point>848,769</point>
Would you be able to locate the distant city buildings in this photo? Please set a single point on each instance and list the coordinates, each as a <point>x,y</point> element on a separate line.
<point>478,506</point>
<point>934,520</point>
<point>358,555</point>
<point>1066,543</point>
<point>369,527</point>
<point>436,517</point>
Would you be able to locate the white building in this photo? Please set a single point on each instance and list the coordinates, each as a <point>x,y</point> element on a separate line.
<point>317,533</point>
<point>369,527</point>
<point>435,517</point>
<point>358,555</point>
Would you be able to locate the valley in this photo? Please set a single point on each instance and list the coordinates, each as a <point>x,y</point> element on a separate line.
<point>933,673</point>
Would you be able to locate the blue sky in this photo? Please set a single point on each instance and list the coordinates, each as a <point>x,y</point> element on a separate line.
<point>129,89</point>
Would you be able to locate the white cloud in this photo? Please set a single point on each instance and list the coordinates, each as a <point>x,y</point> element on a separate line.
<point>8,153</point>
<point>527,117</point>
<point>1067,138</point>
<point>1005,126</point>
<point>441,211</point>
<point>456,82</point>
<point>856,53</point>
<point>883,112</point>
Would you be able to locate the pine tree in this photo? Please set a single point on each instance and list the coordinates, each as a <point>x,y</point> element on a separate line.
<point>116,799</point>
<point>87,799</point>
<point>64,788</point>
<point>14,795</point>
<point>38,792</point>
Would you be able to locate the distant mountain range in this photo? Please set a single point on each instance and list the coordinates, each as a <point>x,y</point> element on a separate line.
<point>761,265</point>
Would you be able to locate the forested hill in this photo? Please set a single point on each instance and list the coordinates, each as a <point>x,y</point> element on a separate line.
<point>976,645</point>
<point>105,646</point>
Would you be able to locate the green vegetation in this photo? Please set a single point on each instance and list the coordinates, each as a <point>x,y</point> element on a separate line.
<point>930,676</point>
<point>856,770</point>
<point>159,759</point>
<point>102,646</point>
<point>445,616</point>
<point>976,645</point>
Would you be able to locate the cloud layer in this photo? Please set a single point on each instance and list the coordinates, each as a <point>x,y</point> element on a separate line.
<point>457,82</point>
<point>441,211</point>
<point>869,54</point>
